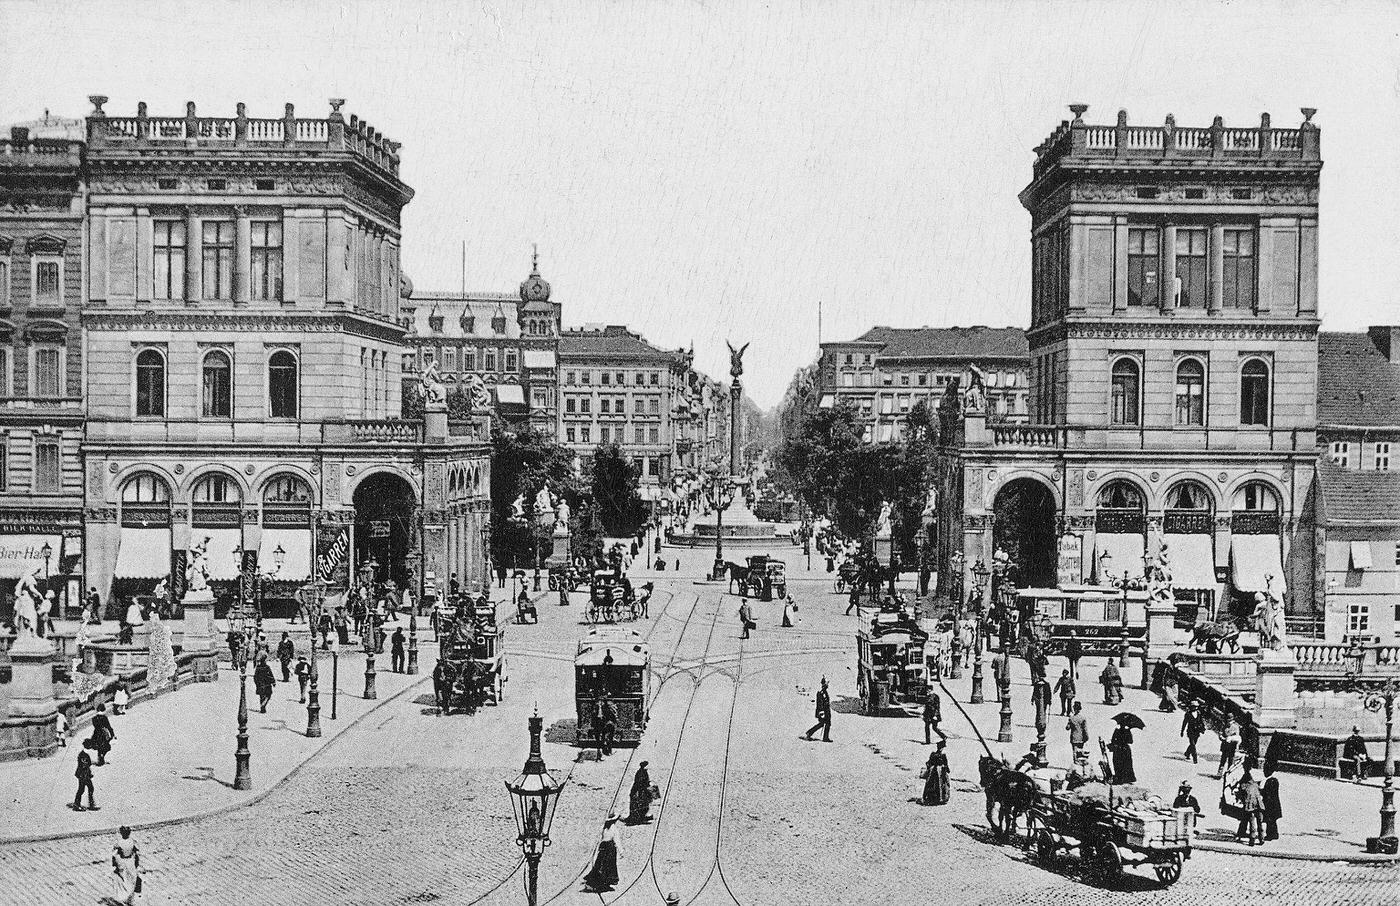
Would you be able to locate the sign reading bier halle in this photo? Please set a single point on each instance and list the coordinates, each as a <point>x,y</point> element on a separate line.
<point>1070,562</point>
<point>333,557</point>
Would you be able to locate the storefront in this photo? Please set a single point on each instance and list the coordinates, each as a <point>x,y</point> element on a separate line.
<point>144,544</point>
<point>37,555</point>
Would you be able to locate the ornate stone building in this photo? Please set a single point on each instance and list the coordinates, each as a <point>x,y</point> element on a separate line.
<point>1173,351</point>
<point>243,356</point>
<point>41,291</point>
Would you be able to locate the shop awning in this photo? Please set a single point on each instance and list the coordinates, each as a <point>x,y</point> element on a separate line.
<point>221,552</point>
<point>510,395</point>
<point>1124,555</point>
<point>1252,558</point>
<point>1360,555</point>
<point>296,554</point>
<point>539,358</point>
<point>1191,559</point>
<point>143,553</point>
<point>23,555</point>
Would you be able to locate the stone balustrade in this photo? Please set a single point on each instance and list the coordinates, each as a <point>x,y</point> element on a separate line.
<point>19,150</point>
<point>385,430</point>
<point>1027,436</point>
<point>1337,659</point>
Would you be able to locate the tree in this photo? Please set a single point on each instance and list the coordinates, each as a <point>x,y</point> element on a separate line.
<point>411,404</point>
<point>521,464</point>
<point>614,485</point>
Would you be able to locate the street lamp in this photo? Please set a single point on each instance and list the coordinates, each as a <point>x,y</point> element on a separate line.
<point>313,698</point>
<point>1007,593</point>
<point>979,582</point>
<point>370,691</point>
<point>957,560</point>
<point>1376,699</point>
<point>719,493</point>
<point>1123,626</point>
<point>242,755</point>
<point>533,798</point>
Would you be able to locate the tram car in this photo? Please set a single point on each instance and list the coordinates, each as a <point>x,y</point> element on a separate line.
<point>891,671</point>
<point>614,664</point>
<point>1096,615</point>
<point>471,667</point>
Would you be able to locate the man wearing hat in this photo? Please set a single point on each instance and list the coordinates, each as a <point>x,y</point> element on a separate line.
<point>1184,799</point>
<point>1354,750</point>
<point>823,714</point>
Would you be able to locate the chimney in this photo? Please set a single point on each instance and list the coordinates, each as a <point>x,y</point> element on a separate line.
<point>1387,340</point>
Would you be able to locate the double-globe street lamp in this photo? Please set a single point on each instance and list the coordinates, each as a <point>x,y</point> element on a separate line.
<point>1378,698</point>
<point>1006,597</point>
<point>533,798</point>
<point>242,754</point>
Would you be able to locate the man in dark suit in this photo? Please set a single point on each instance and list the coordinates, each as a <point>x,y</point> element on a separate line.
<point>102,734</point>
<point>823,714</point>
<point>933,716</point>
<point>84,775</point>
<point>1273,809</point>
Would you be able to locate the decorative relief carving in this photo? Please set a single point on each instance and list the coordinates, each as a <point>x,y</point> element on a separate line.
<point>974,491</point>
<point>250,516</point>
<point>1076,487</point>
<point>1080,523</point>
<point>100,514</point>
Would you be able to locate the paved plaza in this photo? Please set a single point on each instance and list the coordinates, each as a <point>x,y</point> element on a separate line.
<point>400,805</point>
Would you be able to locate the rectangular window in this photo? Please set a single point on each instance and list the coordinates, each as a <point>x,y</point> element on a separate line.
<point>47,374</point>
<point>449,359</point>
<point>1340,453</point>
<point>569,404</point>
<point>4,284</point>
<point>654,465</point>
<point>655,406</point>
<point>1143,263</point>
<point>1382,461</point>
<point>570,435</point>
<point>656,379</point>
<point>639,435</point>
<point>1238,272</point>
<point>640,406</point>
<point>218,259</point>
<point>606,378</point>
<point>511,361</point>
<point>605,405</point>
<point>904,402</point>
<point>923,380</point>
<point>654,435</point>
<point>568,377</point>
<point>539,397</point>
<point>267,260</point>
<point>904,380</point>
<point>621,378</point>
<point>586,434</point>
<point>47,475</point>
<point>48,291</point>
<point>1191,266</point>
<point>585,405</point>
<point>490,357</point>
<point>468,359</point>
<point>1358,619</point>
<point>886,405</point>
<point>586,376</point>
<point>168,270</point>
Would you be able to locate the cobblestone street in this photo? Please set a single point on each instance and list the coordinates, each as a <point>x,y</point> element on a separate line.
<point>408,807</point>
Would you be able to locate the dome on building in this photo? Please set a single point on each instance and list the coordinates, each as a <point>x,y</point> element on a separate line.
<point>535,288</point>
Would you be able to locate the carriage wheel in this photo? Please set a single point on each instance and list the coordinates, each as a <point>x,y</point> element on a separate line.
<point>1170,871</point>
<point>1045,845</point>
<point>1106,862</point>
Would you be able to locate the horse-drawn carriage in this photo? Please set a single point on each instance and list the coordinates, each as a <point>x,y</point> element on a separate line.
<point>567,576</point>
<point>761,576</point>
<point>611,598</point>
<point>612,675</point>
<point>471,667</point>
<point>891,670</point>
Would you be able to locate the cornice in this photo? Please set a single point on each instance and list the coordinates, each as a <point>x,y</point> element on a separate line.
<point>243,322</point>
<point>1207,330</point>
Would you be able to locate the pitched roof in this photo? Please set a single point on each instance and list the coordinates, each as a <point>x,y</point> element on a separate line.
<point>1357,495</point>
<point>610,343</point>
<point>1356,383</point>
<point>950,342</point>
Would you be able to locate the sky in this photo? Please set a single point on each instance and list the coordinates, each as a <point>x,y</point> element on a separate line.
<point>703,171</point>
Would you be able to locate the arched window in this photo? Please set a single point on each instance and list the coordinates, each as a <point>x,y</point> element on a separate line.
<point>1256,497</point>
<point>1188,495</point>
<point>1254,393</point>
<point>143,487</point>
<point>286,489</point>
<point>1126,392</point>
<point>1120,495</point>
<point>215,488</point>
<point>282,384</point>
<point>1190,392</point>
<point>150,383</point>
<point>217,400</point>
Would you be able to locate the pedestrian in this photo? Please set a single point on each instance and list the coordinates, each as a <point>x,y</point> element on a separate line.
<point>235,648</point>
<point>563,591</point>
<point>1249,738</point>
<point>639,799</point>
<point>823,714</point>
<point>60,729</point>
<point>126,868</point>
<point>678,564</point>
<point>609,714</point>
<point>789,608</point>
<point>94,606</point>
<point>342,625</point>
<point>1112,682</point>
<point>746,618</point>
<point>603,875</point>
<point>933,716</point>
<point>1273,808</point>
<point>1193,724</point>
<point>937,789</point>
<point>84,775</point>
<point>324,625</point>
<point>1184,799</point>
<point>121,699</point>
<point>1354,752</point>
<point>501,576</point>
<point>102,734</point>
<point>303,672</point>
<point>1229,744</point>
<point>285,652</point>
<point>1252,802</point>
<point>1065,687</point>
<point>1121,745</point>
<point>397,650</point>
<point>261,649</point>
<point>854,599</point>
<point>1078,728</point>
<point>596,724</point>
<point>454,586</point>
<point>1073,652</point>
<point>263,681</point>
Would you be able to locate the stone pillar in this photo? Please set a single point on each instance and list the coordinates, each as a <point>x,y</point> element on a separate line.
<point>975,429</point>
<point>1167,279</point>
<point>194,253</point>
<point>242,253</point>
<point>1217,268</point>
<point>1160,641</point>
<point>435,426</point>
<point>28,730</point>
<point>1275,695</point>
<point>199,635</point>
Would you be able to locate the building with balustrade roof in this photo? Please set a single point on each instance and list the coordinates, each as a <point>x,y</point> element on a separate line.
<point>1173,367</point>
<point>243,359</point>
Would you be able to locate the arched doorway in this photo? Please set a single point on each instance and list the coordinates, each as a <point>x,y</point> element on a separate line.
<point>1025,528</point>
<point>385,520</point>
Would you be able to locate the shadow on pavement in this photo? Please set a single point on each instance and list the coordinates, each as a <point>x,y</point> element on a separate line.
<point>562,732</point>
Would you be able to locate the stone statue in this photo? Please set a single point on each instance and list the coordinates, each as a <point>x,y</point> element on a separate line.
<point>197,573</point>
<point>736,359</point>
<point>434,392</point>
<point>476,390</point>
<point>974,397</point>
<point>1158,574</point>
<point>1268,618</point>
<point>27,605</point>
<point>883,528</point>
<point>931,504</point>
<point>517,507</point>
<point>561,517</point>
<point>544,503</point>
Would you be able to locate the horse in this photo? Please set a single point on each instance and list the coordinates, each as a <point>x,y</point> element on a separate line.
<point>737,573</point>
<point>1011,792</point>
<point>1213,637</point>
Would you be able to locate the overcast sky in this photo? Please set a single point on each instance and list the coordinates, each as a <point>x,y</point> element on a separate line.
<point>709,170</point>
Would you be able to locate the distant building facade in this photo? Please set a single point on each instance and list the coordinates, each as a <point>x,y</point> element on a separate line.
<point>888,370</point>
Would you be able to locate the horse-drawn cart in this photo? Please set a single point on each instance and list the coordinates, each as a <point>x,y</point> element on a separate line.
<point>1111,833</point>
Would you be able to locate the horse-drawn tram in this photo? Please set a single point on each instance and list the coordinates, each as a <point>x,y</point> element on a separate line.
<point>890,662</point>
<point>471,667</point>
<point>612,683</point>
<point>1091,613</point>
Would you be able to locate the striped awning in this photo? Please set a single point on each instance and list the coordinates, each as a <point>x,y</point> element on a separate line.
<point>1253,558</point>
<point>1191,559</point>
<point>143,553</point>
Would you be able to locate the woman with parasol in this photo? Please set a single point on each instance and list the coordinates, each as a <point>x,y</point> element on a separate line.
<point>1121,745</point>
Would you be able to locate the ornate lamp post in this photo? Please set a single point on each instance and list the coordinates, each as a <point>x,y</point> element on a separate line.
<point>533,798</point>
<point>1123,627</point>
<point>370,691</point>
<point>979,582</point>
<point>313,698</point>
<point>719,494</point>
<point>957,560</point>
<point>1007,594</point>
<point>242,755</point>
<point>1379,698</point>
<point>412,667</point>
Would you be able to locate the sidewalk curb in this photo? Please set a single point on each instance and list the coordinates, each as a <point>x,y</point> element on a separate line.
<point>223,809</point>
<point>1235,849</point>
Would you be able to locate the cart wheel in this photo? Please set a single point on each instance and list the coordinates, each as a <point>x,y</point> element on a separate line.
<point>1169,872</point>
<point>1044,845</point>
<point>1107,862</point>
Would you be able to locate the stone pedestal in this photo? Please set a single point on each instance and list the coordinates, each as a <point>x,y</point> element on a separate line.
<point>198,638</point>
<point>1160,638</point>
<point>28,727</point>
<point>559,549</point>
<point>1275,695</point>
<point>435,425</point>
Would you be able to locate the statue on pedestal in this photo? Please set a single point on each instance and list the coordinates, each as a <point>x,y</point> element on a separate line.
<point>434,391</point>
<point>883,526</point>
<point>197,572</point>
<point>1268,618</point>
<point>974,397</point>
<point>476,390</point>
<point>517,507</point>
<point>27,598</point>
<point>561,518</point>
<point>736,359</point>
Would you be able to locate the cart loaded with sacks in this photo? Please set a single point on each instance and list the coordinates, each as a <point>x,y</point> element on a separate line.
<point>1112,828</point>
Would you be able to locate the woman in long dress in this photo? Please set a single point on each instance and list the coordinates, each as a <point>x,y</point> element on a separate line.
<point>603,875</point>
<point>1121,745</point>
<point>126,869</point>
<point>639,800</point>
<point>936,787</point>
